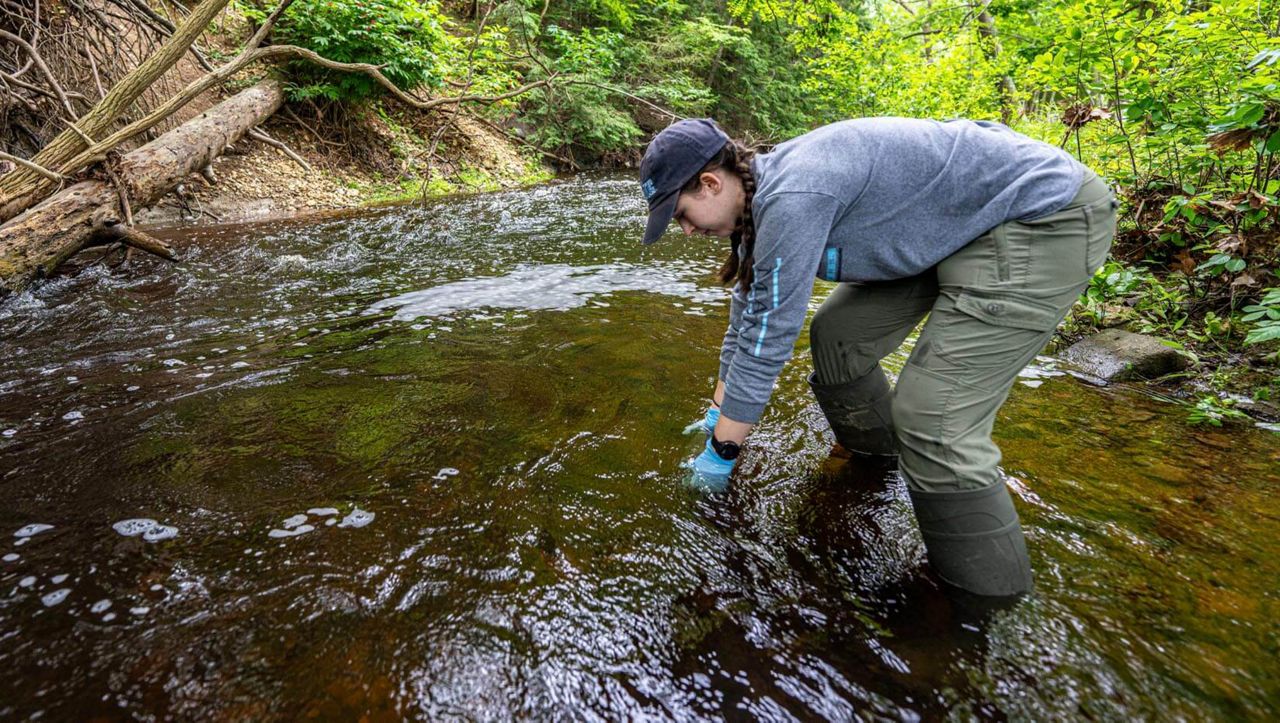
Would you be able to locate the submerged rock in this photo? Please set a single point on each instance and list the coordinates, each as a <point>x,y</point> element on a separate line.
<point>1115,355</point>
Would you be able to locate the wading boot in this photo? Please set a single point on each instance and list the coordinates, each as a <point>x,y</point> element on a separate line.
<point>858,412</point>
<point>974,539</point>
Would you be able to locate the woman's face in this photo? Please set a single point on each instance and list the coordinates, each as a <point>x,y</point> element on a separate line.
<point>715,209</point>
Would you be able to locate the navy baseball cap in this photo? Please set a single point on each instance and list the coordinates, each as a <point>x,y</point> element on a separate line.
<point>673,157</point>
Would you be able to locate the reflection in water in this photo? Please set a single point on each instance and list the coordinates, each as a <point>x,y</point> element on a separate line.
<point>469,504</point>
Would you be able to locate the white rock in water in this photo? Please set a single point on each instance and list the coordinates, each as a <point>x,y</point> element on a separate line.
<point>357,518</point>
<point>294,521</point>
<point>55,597</point>
<point>32,529</point>
<point>9,432</point>
<point>323,511</point>
<point>73,416</point>
<point>27,581</point>
<point>12,557</point>
<point>58,579</point>
<point>100,606</point>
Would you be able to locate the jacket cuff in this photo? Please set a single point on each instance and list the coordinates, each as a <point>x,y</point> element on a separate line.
<point>739,410</point>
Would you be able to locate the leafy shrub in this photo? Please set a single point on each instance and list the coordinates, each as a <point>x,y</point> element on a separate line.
<point>404,37</point>
<point>1265,316</point>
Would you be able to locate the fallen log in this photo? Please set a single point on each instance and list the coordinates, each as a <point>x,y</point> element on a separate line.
<point>34,243</point>
<point>20,189</point>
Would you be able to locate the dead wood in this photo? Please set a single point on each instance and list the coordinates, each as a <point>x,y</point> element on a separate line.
<point>34,243</point>
<point>23,188</point>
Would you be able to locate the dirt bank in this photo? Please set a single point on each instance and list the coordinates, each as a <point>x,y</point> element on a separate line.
<point>378,156</point>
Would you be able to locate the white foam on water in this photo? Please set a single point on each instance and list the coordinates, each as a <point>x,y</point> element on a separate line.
<point>300,530</point>
<point>9,432</point>
<point>150,530</point>
<point>11,557</point>
<point>1033,383</point>
<point>27,581</point>
<point>100,606</point>
<point>58,579</point>
<point>174,363</point>
<point>160,532</point>
<point>293,522</point>
<point>239,365</point>
<point>331,522</point>
<point>555,287</point>
<point>357,518</point>
<point>132,388</point>
<point>140,610</point>
<point>21,541</point>
<point>323,511</point>
<point>134,527</point>
<point>34,528</point>
<point>445,473</point>
<point>108,617</point>
<point>73,416</point>
<point>55,597</point>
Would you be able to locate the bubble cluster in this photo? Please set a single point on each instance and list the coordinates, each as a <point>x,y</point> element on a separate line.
<point>149,529</point>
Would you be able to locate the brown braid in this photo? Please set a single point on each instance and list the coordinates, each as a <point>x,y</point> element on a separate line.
<point>735,158</point>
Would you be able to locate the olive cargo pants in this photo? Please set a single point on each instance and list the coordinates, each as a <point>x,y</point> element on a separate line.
<point>992,306</point>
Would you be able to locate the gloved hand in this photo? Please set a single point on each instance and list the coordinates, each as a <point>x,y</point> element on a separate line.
<point>709,470</point>
<point>707,424</point>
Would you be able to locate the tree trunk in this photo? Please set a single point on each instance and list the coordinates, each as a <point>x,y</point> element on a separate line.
<point>1008,91</point>
<point>23,187</point>
<point>36,242</point>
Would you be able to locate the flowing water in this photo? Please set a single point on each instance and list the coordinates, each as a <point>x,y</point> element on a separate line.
<point>425,462</point>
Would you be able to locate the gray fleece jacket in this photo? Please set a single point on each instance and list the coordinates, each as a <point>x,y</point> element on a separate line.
<point>872,199</point>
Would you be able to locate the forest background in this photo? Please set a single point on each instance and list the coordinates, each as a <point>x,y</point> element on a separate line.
<point>1176,103</point>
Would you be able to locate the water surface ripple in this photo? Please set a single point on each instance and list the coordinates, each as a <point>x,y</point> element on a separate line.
<point>424,462</point>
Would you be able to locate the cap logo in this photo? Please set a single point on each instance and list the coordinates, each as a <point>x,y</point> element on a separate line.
<point>648,188</point>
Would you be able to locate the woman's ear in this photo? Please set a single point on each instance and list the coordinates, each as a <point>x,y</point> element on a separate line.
<point>711,182</point>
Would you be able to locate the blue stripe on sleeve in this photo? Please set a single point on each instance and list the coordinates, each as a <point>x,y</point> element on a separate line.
<point>764,320</point>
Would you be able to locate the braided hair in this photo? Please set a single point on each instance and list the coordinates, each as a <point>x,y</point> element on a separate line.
<point>735,158</point>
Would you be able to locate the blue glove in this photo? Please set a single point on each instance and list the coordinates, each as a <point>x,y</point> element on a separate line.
<point>707,424</point>
<point>709,470</point>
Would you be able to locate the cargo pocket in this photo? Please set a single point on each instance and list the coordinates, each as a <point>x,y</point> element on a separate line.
<point>1007,309</point>
<point>985,337</point>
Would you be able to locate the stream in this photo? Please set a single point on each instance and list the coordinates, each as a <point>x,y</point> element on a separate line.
<point>424,462</point>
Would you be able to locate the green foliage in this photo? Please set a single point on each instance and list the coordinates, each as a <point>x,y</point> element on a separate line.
<point>403,37</point>
<point>1265,317</point>
<point>1213,410</point>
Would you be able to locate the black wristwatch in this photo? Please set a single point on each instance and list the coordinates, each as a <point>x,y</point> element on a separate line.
<point>726,450</point>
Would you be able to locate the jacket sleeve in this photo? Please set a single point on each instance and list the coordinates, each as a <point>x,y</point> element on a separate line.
<point>737,301</point>
<point>791,233</point>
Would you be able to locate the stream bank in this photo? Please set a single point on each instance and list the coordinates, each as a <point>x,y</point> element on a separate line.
<point>380,157</point>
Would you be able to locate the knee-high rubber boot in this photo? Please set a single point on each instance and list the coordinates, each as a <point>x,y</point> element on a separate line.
<point>974,539</point>
<point>859,413</point>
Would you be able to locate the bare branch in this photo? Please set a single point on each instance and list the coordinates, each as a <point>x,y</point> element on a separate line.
<point>260,135</point>
<point>32,167</point>
<point>48,74</point>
